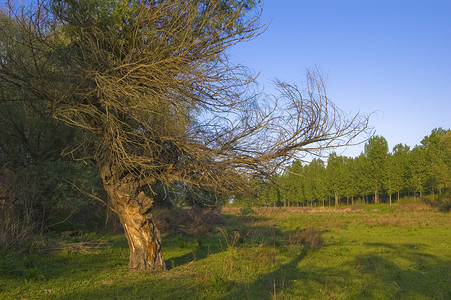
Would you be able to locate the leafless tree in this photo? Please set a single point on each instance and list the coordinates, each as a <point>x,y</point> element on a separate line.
<point>150,86</point>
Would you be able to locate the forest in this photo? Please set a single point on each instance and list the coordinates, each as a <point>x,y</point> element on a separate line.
<point>376,176</point>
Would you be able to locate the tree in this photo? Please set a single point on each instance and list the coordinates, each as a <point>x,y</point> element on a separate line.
<point>360,176</point>
<point>149,85</point>
<point>443,164</point>
<point>396,170</point>
<point>308,180</point>
<point>271,191</point>
<point>318,177</point>
<point>417,170</point>
<point>436,157</point>
<point>335,174</point>
<point>349,186</point>
<point>31,140</point>
<point>292,183</point>
<point>376,150</point>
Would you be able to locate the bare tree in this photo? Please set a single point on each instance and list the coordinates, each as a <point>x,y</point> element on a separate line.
<point>151,88</point>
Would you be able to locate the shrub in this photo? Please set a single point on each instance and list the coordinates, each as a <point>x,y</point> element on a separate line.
<point>194,221</point>
<point>442,201</point>
<point>17,224</point>
<point>47,194</point>
<point>309,237</point>
<point>247,211</point>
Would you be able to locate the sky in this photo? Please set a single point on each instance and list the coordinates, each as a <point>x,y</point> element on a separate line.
<point>390,59</point>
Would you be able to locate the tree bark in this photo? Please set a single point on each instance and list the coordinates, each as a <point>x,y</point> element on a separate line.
<point>143,238</point>
<point>134,210</point>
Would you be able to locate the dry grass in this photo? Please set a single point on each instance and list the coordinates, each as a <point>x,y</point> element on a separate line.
<point>404,215</point>
<point>80,247</point>
<point>405,218</point>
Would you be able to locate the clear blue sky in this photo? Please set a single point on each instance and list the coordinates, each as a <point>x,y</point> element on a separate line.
<point>391,57</point>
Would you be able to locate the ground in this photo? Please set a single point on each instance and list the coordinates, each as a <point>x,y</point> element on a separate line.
<point>367,252</point>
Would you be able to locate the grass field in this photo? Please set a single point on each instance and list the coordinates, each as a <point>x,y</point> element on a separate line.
<point>371,252</point>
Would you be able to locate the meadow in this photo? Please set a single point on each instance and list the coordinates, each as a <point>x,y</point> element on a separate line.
<point>359,252</point>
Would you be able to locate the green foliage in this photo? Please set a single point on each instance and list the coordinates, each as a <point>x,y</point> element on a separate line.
<point>417,170</point>
<point>442,201</point>
<point>38,187</point>
<point>317,176</point>
<point>376,151</point>
<point>335,176</point>
<point>48,195</point>
<point>397,169</point>
<point>423,170</point>
<point>292,184</point>
<point>439,158</point>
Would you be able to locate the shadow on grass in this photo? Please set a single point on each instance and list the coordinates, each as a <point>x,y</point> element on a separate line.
<point>63,259</point>
<point>367,276</point>
<point>269,285</point>
<point>420,275</point>
<point>372,277</point>
<point>198,248</point>
<point>194,248</point>
<point>383,271</point>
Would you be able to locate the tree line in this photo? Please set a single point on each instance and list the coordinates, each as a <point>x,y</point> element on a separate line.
<point>376,175</point>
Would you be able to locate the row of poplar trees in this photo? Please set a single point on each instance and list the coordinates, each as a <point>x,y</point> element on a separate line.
<point>376,175</point>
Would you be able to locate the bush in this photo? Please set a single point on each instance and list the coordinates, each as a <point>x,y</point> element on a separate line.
<point>17,222</point>
<point>47,194</point>
<point>194,221</point>
<point>247,211</point>
<point>309,237</point>
<point>442,201</point>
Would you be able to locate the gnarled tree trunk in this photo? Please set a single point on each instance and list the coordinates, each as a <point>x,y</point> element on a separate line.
<point>134,210</point>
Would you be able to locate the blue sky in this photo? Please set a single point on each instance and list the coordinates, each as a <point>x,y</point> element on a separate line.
<point>392,58</point>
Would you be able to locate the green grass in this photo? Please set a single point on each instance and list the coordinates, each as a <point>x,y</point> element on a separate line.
<point>373,252</point>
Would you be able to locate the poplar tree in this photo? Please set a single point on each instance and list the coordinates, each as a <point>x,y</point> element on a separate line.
<point>376,151</point>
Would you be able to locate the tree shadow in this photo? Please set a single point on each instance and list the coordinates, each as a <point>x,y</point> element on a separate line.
<point>237,227</point>
<point>194,248</point>
<point>271,284</point>
<point>382,270</point>
<point>371,276</point>
<point>420,275</point>
<point>376,274</point>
